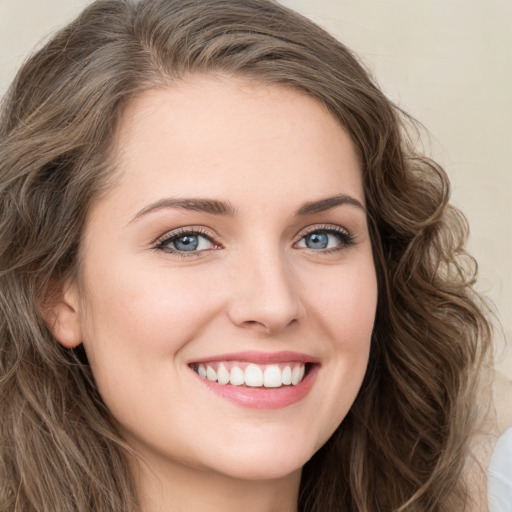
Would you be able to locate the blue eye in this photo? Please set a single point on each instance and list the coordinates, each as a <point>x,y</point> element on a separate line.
<point>325,239</point>
<point>186,241</point>
<point>317,241</point>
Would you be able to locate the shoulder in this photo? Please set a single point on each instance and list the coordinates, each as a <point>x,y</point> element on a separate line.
<point>499,483</point>
<point>491,449</point>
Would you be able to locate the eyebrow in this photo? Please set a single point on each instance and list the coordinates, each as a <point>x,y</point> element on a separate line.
<point>216,207</point>
<point>212,206</point>
<point>328,203</point>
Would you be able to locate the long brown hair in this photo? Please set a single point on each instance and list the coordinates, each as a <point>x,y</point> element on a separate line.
<point>404,442</point>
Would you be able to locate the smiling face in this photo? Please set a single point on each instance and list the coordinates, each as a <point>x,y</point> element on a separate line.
<point>227,291</point>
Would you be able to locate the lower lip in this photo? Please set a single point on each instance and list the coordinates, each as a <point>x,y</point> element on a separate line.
<point>264,398</point>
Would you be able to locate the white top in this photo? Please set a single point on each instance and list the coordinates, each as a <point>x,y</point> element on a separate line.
<point>499,486</point>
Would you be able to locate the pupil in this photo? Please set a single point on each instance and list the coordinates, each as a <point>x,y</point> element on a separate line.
<point>186,243</point>
<point>317,241</point>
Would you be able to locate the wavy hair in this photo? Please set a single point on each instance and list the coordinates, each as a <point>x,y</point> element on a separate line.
<point>404,443</point>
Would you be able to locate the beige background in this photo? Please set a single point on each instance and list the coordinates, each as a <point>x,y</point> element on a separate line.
<point>447,62</point>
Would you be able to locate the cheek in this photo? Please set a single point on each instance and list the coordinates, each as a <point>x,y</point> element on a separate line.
<point>344,306</point>
<point>137,323</point>
<point>138,307</point>
<point>351,320</point>
<point>345,302</point>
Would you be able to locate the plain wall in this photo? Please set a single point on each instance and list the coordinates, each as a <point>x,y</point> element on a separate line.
<point>447,62</point>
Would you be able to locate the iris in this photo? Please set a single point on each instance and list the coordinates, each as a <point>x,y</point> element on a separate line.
<point>317,240</point>
<point>188,242</point>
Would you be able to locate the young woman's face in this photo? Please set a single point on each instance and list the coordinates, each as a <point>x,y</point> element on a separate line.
<point>234,244</point>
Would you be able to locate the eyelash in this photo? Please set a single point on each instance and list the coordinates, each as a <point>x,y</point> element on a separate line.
<point>162,244</point>
<point>346,239</point>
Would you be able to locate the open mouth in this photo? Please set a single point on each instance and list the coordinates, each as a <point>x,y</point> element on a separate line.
<point>258,380</point>
<point>247,374</point>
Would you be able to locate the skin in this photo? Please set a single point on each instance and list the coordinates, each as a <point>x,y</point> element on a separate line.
<point>143,313</point>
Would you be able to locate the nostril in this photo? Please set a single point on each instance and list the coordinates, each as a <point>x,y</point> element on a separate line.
<point>267,327</point>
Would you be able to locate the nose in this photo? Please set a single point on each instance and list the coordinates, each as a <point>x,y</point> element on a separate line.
<point>264,297</point>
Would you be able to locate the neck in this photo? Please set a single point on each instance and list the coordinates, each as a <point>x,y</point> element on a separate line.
<point>185,489</point>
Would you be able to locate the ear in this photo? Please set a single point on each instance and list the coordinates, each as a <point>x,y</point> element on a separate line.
<point>61,312</point>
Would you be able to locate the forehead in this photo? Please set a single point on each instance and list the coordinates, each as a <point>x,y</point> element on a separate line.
<point>213,134</point>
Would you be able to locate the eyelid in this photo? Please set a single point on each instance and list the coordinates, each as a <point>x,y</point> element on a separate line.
<point>346,238</point>
<point>168,236</point>
<point>322,227</point>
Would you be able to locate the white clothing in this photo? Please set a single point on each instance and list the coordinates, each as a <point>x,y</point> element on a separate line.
<point>499,486</point>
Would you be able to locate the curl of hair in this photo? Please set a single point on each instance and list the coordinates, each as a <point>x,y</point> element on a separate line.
<point>404,442</point>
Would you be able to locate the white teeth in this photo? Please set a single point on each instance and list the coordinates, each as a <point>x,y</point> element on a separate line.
<point>268,376</point>
<point>222,375</point>
<point>272,377</point>
<point>211,374</point>
<point>287,376</point>
<point>237,377</point>
<point>253,376</point>
<point>296,374</point>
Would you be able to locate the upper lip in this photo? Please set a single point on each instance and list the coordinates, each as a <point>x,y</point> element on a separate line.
<point>259,357</point>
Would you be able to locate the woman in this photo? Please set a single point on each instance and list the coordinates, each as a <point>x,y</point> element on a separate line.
<point>227,279</point>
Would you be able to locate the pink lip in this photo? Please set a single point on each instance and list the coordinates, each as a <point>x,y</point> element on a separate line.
<point>263,398</point>
<point>260,357</point>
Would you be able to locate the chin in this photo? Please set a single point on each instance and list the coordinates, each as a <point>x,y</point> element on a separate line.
<point>260,460</point>
<point>272,468</point>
